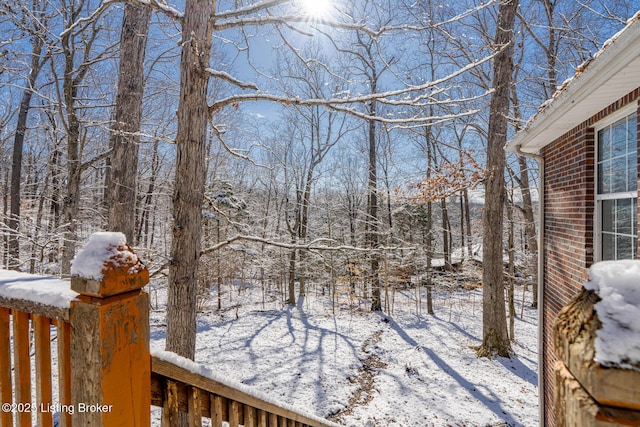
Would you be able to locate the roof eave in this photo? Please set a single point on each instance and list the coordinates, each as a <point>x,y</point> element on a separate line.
<point>612,74</point>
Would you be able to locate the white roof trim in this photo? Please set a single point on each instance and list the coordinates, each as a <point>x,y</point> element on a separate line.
<point>613,73</point>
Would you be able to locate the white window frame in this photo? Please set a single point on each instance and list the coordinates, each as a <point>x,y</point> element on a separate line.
<point>597,234</point>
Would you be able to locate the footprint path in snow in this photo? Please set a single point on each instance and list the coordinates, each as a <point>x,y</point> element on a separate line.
<point>365,378</point>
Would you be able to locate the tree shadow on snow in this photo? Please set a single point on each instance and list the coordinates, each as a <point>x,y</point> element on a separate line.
<point>490,400</point>
<point>520,369</point>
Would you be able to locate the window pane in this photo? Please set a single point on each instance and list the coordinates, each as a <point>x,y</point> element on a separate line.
<point>608,215</point>
<point>632,135</point>
<point>634,222</point>
<point>624,216</point>
<point>619,137</point>
<point>604,144</point>
<point>604,177</point>
<point>624,247</point>
<point>618,175</point>
<point>632,173</point>
<point>608,246</point>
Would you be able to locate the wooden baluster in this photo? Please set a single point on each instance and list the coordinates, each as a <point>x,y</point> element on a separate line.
<point>262,418</point>
<point>44,394</point>
<point>216,410</point>
<point>249,416</point>
<point>195,410</point>
<point>22,366</point>
<point>63,330</point>
<point>273,420</point>
<point>6,417</point>
<point>234,414</point>
<point>170,409</point>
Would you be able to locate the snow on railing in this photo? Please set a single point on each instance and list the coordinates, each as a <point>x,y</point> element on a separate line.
<point>34,303</point>
<point>179,384</point>
<point>597,342</point>
<point>115,381</point>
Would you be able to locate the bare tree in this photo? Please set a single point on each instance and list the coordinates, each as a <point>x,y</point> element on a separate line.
<point>125,131</point>
<point>198,22</point>
<point>79,55</point>
<point>495,339</point>
<point>33,21</point>
<point>188,194</point>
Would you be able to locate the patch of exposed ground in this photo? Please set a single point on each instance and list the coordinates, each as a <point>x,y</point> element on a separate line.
<point>365,378</point>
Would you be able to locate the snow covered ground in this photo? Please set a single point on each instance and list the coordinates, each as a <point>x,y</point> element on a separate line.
<point>355,367</point>
<point>367,369</point>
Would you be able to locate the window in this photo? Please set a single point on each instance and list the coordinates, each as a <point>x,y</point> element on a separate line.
<point>617,192</point>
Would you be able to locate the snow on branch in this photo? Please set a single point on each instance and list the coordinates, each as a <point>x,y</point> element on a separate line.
<point>289,19</point>
<point>403,120</point>
<point>320,244</point>
<point>252,8</point>
<point>231,151</point>
<point>230,79</point>
<point>161,6</point>
<point>339,104</point>
<point>158,5</point>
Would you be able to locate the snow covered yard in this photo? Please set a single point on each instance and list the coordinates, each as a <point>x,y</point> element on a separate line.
<point>367,369</point>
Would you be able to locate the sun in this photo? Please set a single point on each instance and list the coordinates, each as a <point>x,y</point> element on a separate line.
<point>315,8</point>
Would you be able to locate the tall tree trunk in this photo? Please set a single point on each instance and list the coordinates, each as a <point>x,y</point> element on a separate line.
<point>527,210</point>
<point>511,275</point>
<point>71,201</point>
<point>16,161</point>
<point>5,211</point>
<point>125,130</point>
<point>291,300</point>
<point>143,227</point>
<point>467,215</point>
<point>376,298</point>
<point>372,220</point>
<point>529,227</point>
<point>38,225</point>
<point>189,180</point>
<point>495,339</point>
<point>446,234</point>
<point>54,207</point>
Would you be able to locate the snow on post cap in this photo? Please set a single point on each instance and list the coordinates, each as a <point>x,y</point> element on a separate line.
<point>617,283</point>
<point>107,266</point>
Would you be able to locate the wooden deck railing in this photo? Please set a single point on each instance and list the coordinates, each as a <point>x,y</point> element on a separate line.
<point>24,309</point>
<point>101,361</point>
<point>178,384</point>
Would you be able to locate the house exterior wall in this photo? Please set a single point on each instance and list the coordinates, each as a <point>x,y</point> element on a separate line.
<point>569,203</point>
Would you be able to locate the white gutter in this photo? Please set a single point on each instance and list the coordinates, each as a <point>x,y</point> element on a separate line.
<point>540,307</point>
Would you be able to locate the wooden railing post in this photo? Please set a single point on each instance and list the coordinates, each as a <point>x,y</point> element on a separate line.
<point>111,368</point>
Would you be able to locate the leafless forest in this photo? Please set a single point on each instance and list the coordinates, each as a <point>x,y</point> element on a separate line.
<point>349,147</point>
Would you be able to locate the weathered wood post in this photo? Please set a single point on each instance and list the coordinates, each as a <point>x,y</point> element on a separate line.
<point>586,393</point>
<point>111,365</point>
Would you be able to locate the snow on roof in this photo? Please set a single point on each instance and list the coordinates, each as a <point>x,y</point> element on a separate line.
<point>617,283</point>
<point>43,290</point>
<point>609,75</point>
<point>102,247</point>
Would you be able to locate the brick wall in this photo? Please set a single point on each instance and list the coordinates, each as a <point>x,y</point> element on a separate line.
<point>569,219</point>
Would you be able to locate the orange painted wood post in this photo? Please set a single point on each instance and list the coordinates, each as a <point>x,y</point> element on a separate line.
<point>64,370</point>
<point>111,368</point>
<point>22,367</point>
<point>44,387</point>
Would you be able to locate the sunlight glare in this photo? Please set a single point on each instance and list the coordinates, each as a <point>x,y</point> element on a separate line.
<point>315,8</point>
